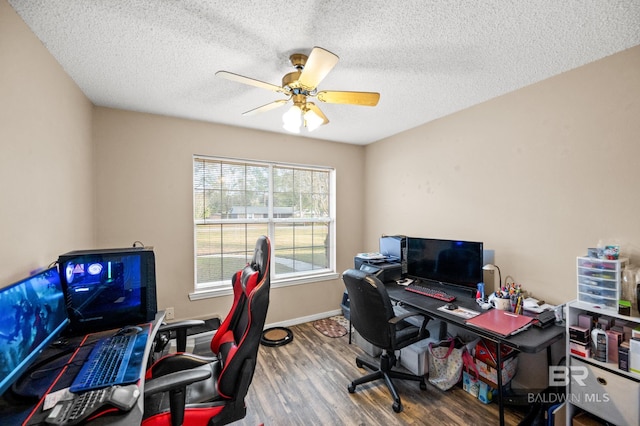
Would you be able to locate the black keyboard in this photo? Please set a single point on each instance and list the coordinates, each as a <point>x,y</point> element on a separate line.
<point>92,403</point>
<point>430,292</point>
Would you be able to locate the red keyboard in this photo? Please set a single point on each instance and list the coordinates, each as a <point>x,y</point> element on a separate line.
<point>430,292</point>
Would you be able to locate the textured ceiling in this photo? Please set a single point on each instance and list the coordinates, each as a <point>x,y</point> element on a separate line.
<point>427,58</point>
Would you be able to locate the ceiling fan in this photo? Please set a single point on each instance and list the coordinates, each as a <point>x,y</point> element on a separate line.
<point>302,84</point>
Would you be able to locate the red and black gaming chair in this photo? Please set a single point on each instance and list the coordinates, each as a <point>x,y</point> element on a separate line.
<point>196,390</point>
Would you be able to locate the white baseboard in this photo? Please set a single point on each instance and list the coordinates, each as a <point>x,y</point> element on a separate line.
<point>302,320</point>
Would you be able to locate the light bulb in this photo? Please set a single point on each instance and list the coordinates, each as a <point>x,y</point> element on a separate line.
<point>312,120</point>
<point>292,119</point>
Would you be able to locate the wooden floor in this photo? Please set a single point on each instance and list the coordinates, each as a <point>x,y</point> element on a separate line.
<point>305,383</point>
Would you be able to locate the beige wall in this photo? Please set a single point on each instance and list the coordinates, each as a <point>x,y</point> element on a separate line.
<point>46,181</point>
<point>539,175</point>
<point>72,177</point>
<point>144,181</point>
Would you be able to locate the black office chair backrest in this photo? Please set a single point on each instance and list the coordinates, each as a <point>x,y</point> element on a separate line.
<point>370,308</point>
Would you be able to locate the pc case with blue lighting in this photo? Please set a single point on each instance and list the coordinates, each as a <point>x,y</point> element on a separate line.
<point>108,288</point>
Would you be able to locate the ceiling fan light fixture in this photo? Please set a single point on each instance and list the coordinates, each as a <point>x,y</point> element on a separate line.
<point>302,84</point>
<point>292,119</point>
<point>312,120</point>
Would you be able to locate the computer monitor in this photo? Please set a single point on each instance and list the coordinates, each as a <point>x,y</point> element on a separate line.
<point>108,288</point>
<point>32,315</point>
<point>451,262</point>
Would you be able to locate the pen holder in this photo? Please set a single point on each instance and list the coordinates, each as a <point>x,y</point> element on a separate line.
<point>502,304</point>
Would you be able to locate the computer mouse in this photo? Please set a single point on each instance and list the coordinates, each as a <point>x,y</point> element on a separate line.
<point>129,329</point>
<point>451,306</point>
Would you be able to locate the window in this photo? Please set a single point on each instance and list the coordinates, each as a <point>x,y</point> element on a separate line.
<point>236,201</point>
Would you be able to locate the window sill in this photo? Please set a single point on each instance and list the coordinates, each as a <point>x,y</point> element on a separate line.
<point>227,291</point>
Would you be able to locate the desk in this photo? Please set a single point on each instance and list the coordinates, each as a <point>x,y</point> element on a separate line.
<point>59,372</point>
<point>532,340</point>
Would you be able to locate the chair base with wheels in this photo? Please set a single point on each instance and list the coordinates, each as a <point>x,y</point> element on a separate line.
<point>385,371</point>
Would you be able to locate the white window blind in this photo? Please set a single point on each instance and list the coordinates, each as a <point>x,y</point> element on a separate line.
<point>236,201</point>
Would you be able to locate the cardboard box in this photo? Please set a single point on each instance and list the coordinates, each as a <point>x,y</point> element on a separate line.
<point>585,419</point>
<point>605,322</point>
<point>486,393</point>
<point>579,334</point>
<point>585,321</point>
<point>634,356</point>
<point>580,349</point>
<point>489,373</point>
<point>485,359</point>
<point>623,356</point>
<point>485,351</point>
<point>628,331</point>
<point>614,338</point>
<point>470,383</point>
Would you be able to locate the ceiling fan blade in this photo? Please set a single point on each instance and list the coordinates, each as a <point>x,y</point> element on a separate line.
<point>250,81</point>
<point>313,107</point>
<point>266,107</point>
<point>354,98</point>
<point>318,65</point>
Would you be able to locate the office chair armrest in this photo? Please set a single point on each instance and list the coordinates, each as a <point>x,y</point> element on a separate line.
<point>180,327</point>
<point>423,333</point>
<point>180,324</point>
<point>406,315</point>
<point>174,380</point>
<point>176,385</point>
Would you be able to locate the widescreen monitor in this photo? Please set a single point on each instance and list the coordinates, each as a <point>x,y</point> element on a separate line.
<point>32,315</point>
<point>108,288</point>
<point>449,262</point>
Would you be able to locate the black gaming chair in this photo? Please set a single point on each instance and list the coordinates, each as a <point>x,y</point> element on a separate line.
<point>196,390</point>
<point>373,318</point>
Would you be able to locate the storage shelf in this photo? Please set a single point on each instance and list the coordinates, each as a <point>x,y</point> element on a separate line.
<point>578,304</point>
<point>611,366</point>
<point>597,387</point>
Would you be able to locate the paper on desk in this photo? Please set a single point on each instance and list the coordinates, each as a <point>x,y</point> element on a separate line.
<point>531,304</point>
<point>460,312</point>
<point>54,397</point>
<point>373,255</point>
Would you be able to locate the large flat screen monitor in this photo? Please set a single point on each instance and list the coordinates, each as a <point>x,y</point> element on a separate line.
<point>451,262</point>
<point>32,315</point>
<point>108,288</point>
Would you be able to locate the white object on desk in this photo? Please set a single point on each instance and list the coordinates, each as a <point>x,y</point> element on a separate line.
<point>371,256</point>
<point>54,397</point>
<point>533,305</point>
<point>460,312</point>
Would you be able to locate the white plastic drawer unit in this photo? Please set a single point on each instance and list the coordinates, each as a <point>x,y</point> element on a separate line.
<point>599,282</point>
<point>612,397</point>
